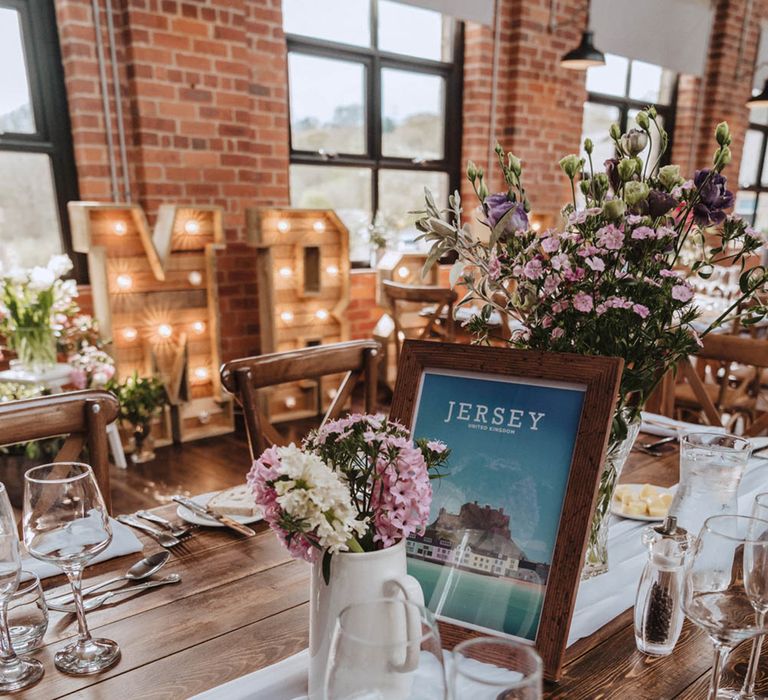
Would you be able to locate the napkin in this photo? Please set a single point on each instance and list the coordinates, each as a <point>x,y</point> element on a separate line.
<point>123,542</point>
<point>654,424</point>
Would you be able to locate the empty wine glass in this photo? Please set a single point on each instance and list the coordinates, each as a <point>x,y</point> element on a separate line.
<point>725,583</point>
<point>490,668</point>
<point>386,649</point>
<point>16,672</point>
<point>66,524</point>
<point>759,510</point>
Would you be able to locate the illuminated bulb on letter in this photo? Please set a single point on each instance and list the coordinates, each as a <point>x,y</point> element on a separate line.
<point>285,272</point>
<point>332,393</point>
<point>130,334</point>
<point>332,270</point>
<point>192,226</point>
<point>201,373</point>
<point>283,226</point>
<point>164,330</point>
<point>321,314</point>
<point>119,228</point>
<point>290,402</point>
<point>319,226</point>
<point>198,327</point>
<point>124,281</point>
<point>195,278</point>
<point>287,316</point>
<point>536,226</point>
<point>403,271</point>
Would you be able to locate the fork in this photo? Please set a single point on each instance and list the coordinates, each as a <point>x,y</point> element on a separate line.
<point>175,530</point>
<point>164,538</point>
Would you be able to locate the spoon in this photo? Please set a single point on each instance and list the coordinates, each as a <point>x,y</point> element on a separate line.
<point>98,600</point>
<point>140,570</point>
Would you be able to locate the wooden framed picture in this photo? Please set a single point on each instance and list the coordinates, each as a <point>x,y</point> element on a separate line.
<point>504,548</point>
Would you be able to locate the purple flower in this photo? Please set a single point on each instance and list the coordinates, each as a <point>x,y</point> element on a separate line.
<point>550,244</point>
<point>533,269</point>
<point>612,171</point>
<point>713,198</point>
<point>659,203</point>
<point>583,302</point>
<point>643,232</point>
<point>682,292</point>
<point>610,237</point>
<point>596,264</point>
<point>641,311</point>
<point>498,205</point>
<point>494,268</point>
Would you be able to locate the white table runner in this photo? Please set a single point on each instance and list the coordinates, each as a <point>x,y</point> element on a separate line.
<point>598,601</point>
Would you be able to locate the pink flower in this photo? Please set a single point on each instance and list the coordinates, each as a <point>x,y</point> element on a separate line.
<point>546,322</point>
<point>79,378</point>
<point>557,333</point>
<point>669,273</point>
<point>560,262</point>
<point>533,269</point>
<point>634,219</point>
<point>643,232</point>
<point>577,217</point>
<point>437,446</point>
<point>600,309</point>
<point>550,284</point>
<point>665,231</point>
<point>610,237</point>
<point>583,302</point>
<point>595,263</point>
<point>550,244</point>
<point>682,292</point>
<point>641,311</point>
<point>494,268</point>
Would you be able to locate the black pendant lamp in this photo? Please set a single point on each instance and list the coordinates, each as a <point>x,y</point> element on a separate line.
<point>760,100</point>
<point>585,55</point>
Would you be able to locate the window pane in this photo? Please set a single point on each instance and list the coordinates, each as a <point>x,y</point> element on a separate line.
<point>753,141</point>
<point>15,103</point>
<point>597,120</point>
<point>412,114</point>
<point>345,190</point>
<point>29,221</point>
<point>345,21</point>
<point>745,205</point>
<point>414,31</point>
<point>761,217</point>
<point>327,104</point>
<point>402,191</point>
<point>610,79</point>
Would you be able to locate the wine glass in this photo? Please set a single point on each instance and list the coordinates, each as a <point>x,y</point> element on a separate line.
<point>747,692</point>
<point>66,524</point>
<point>491,668</point>
<point>725,583</point>
<point>385,649</point>
<point>16,672</point>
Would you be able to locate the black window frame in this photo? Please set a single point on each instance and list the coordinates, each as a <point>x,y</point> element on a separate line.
<point>374,60</point>
<point>759,189</point>
<point>53,131</point>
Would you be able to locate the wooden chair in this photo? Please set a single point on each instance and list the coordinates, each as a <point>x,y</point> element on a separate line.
<point>730,391</point>
<point>358,359</point>
<point>82,416</point>
<point>400,295</point>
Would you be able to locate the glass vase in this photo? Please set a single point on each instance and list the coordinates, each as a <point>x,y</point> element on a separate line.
<point>35,348</point>
<point>596,559</point>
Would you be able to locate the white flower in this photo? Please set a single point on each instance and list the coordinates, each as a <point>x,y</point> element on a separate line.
<point>59,265</point>
<point>41,279</point>
<point>17,275</point>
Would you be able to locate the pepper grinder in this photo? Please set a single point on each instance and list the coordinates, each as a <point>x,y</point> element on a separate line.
<point>658,606</point>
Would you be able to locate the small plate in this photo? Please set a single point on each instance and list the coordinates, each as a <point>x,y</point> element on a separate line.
<point>616,504</point>
<point>202,499</point>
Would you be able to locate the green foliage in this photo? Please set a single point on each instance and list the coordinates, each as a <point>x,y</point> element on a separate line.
<point>140,398</point>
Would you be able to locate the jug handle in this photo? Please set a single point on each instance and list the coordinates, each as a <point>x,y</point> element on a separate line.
<point>411,590</point>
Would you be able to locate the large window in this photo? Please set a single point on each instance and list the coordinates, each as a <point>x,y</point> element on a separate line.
<point>37,168</point>
<point>752,197</point>
<point>375,112</point>
<point>617,91</point>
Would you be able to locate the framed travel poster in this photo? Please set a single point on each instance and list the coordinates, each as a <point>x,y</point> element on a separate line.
<point>503,551</point>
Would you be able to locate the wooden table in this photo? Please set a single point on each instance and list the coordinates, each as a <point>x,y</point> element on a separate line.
<point>242,605</point>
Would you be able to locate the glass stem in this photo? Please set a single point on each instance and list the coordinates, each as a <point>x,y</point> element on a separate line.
<point>721,656</point>
<point>7,654</point>
<point>76,579</point>
<point>748,689</point>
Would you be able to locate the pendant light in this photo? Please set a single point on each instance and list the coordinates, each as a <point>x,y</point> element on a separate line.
<point>760,100</point>
<point>584,56</point>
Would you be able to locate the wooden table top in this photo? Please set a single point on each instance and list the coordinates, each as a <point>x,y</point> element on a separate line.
<point>242,605</point>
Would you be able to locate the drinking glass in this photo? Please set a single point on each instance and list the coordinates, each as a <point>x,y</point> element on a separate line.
<point>711,468</point>
<point>16,672</point>
<point>747,692</point>
<point>66,524</point>
<point>27,614</point>
<point>726,581</point>
<point>490,668</point>
<point>385,649</point>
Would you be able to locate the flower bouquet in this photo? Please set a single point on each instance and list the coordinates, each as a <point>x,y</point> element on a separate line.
<point>610,279</point>
<point>34,305</point>
<point>91,367</point>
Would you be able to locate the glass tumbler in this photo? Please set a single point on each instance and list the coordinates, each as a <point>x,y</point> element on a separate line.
<point>27,614</point>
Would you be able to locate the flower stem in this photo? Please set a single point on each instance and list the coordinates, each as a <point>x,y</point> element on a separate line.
<point>354,546</point>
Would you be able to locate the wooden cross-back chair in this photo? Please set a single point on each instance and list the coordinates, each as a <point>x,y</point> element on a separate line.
<point>731,392</point>
<point>81,416</point>
<point>398,295</point>
<point>357,359</point>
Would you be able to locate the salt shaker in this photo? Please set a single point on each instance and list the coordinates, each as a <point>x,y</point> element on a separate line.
<point>658,606</point>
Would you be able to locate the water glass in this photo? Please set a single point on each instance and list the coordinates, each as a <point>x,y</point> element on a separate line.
<point>711,468</point>
<point>27,614</point>
<point>65,523</point>
<point>726,585</point>
<point>490,668</point>
<point>385,649</point>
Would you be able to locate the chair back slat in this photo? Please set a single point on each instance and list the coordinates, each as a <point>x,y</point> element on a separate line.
<point>343,394</point>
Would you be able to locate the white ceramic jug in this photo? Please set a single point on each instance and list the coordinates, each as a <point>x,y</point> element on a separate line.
<point>355,578</point>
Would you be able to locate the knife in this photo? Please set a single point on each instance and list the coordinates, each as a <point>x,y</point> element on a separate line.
<point>206,512</point>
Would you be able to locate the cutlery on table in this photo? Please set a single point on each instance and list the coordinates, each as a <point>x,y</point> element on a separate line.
<point>651,446</point>
<point>165,539</point>
<point>175,530</point>
<point>98,600</point>
<point>206,512</point>
<point>144,568</point>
